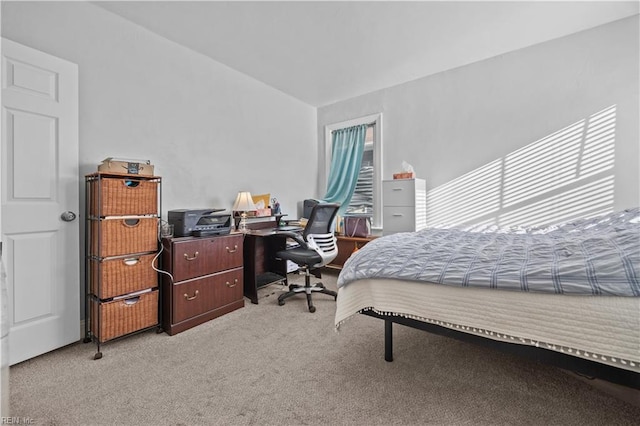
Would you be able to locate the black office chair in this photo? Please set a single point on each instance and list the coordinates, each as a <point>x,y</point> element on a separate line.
<point>317,247</point>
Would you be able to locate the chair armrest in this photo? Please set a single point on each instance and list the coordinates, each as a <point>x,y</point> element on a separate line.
<point>293,235</point>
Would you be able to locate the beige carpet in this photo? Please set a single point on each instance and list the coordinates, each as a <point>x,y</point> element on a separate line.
<point>281,365</point>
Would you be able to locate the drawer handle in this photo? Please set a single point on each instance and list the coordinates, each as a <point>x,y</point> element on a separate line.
<point>235,249</point>
<point>235,282</point>
<point>186,256</point>
<point>130,223</point>
<point>186,296</point>
<point>131,261</point>
<point>398,215</point>
<point>397,189</point>
<point>131,301</point>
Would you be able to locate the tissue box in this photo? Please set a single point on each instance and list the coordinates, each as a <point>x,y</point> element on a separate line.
<point>404,175</point>
<point>263,212</point>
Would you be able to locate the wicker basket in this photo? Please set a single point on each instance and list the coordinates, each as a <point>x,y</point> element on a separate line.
<point>124,196</point>
<point>124,316</point>
<point>122,275</point>
<point>124,236</point>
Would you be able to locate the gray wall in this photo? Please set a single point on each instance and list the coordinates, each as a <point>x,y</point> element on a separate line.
<point>463,130</point>
<point>209,130</point>
<point>212,131</point>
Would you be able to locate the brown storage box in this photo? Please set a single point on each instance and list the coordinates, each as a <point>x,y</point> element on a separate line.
<point>124,316</point>
<point>124,236</point>
<point>124,196</point>
<point>122,275</point>
<point>122,166</point>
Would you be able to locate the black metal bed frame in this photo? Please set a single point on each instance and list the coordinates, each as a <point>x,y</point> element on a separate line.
<point>565,361</point>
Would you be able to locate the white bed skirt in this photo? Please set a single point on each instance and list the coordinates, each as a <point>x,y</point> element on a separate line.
<point>600,328</point>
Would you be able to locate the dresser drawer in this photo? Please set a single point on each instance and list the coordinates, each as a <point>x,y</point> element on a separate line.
<point>203,256</point>
<point>122,275</point>
<point>398,219</point>
<point>123,236</point>
<point>123,316</point>
<point>399,192</point>
<point>199,296</point>
<point>126,196</point>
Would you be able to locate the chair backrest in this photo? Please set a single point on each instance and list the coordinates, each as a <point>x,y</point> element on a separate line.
<point>321,219</point>
<point>319,232</point>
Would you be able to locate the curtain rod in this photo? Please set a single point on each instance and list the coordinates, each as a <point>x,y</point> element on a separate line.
<point>372,124</point>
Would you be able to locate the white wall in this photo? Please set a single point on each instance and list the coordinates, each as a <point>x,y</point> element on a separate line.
<point>456,125</point>
<point>209,130</point>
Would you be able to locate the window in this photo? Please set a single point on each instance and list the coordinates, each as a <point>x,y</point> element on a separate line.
<point>367,197</point>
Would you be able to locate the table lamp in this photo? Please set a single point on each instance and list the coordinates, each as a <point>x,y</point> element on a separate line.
<point>243,204</point>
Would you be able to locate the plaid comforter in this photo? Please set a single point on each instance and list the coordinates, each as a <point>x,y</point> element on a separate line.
<point>599,256</point>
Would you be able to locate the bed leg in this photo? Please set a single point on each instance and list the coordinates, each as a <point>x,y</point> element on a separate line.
<point>388,341</point>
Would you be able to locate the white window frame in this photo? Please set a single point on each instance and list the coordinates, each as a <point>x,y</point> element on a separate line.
<point>376,120</point>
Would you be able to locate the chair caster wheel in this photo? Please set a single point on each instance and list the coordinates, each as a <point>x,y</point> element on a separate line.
<point>312,309</point>
<point>86,340</point>
<point>98,355</point>
<point>280,302</point>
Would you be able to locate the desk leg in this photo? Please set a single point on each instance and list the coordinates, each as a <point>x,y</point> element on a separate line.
<point>250,272</point>
<point>272,245</point>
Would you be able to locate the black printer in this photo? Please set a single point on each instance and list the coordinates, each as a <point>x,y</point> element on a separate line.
<point>199,222</point>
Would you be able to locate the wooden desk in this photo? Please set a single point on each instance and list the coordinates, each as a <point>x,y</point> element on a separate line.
<point>261,268</point>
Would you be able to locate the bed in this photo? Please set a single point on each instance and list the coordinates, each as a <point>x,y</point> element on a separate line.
<point>566,294</point>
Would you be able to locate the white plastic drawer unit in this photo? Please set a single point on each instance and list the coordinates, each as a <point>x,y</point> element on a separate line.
<point>401,192</point>
<point>404,205</point>
<point>398,219</point>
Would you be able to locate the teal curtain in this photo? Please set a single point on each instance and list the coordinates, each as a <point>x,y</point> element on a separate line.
<point>346,160</point>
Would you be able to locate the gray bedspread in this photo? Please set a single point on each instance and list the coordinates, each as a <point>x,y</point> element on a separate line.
<point>598,256</point>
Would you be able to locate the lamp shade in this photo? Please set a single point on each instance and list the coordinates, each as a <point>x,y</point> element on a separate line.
<point>244,202</point>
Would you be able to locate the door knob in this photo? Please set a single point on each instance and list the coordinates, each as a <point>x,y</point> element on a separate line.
<point>68,216</point>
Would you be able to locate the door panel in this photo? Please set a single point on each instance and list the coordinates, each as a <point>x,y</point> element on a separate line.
<point>31,140</point>
<point>39,182</point>
<point>25,248</point>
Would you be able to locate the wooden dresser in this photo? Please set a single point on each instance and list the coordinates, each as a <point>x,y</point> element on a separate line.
<point>207,279</point>
<point>346,247</point>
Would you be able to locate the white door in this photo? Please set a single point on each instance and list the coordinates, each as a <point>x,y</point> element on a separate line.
<point>39,183</point>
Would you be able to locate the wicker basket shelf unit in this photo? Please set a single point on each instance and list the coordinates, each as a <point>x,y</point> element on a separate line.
<point>121,245</point>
